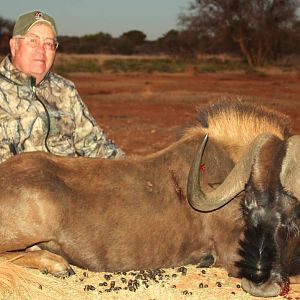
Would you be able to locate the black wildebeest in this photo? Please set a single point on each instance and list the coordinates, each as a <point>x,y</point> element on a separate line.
<point>109,215</point>
<point>268,175</point>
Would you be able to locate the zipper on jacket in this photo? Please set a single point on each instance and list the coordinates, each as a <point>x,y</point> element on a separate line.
<point>33,86</point>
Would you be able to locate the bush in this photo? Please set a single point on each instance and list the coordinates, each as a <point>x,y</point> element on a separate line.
<point>215,64</point>
<point>77,65</point>
<point>211,64</point>
<point>143,65</point>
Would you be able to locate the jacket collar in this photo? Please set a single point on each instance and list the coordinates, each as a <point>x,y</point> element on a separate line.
<point>12,74</point>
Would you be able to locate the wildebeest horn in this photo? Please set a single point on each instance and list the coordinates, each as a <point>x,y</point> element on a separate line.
<point>232,185</point>
<point>290,170</point>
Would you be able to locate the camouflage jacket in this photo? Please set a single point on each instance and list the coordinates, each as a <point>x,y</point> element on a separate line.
<point>48,117</point>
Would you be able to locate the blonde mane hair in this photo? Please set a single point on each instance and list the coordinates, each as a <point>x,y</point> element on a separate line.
<point>236,123</point>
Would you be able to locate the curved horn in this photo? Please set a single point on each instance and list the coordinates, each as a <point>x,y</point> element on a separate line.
<point>290,170</point>
<point>232,185</point>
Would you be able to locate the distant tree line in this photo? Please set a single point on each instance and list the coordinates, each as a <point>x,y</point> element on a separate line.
<point>6,28</point>
<point>261,31</point>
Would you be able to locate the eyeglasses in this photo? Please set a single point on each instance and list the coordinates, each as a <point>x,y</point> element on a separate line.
<point>34,41</point>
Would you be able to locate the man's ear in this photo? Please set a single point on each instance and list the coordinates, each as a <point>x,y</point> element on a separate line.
<point>13,46</point>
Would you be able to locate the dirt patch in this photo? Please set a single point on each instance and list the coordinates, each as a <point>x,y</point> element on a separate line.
<point>145,113</point>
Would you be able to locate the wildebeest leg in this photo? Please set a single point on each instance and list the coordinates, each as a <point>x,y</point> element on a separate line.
<point>43,260</point>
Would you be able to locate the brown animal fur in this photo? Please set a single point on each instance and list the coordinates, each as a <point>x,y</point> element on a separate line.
<point>266,170</point>
<point>127,214</point>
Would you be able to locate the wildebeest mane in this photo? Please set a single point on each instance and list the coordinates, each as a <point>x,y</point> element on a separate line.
<point>235,123</point>
<point>240,109</point>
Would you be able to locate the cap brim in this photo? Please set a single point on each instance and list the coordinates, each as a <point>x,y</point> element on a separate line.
<point>45,22</point>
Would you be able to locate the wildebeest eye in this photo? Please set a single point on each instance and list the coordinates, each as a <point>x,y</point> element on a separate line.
<point>249,202</point>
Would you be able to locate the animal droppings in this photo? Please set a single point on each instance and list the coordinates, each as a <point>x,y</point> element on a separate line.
<point>103,284</point>
<point>85,274</point>
<point>182,270</point>
<point>123,280</point>
<point>89,287</point>
<point>182,282</point>
<point>107,276</point>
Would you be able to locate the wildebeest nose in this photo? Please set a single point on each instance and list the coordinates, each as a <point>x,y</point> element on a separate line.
<point>267,289</point>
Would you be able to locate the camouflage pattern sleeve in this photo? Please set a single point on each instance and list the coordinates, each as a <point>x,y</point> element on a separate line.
<point>8,130</point>
<point>89,139</point>
<point>7,147</point>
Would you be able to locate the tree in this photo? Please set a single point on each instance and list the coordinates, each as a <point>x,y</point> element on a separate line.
<point>6,28</point>
<point>179,43</point>
<point>258,27</point>
<point>135,36</point>
<point>129,42</point>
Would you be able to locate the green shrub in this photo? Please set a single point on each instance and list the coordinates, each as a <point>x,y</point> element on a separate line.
<point>147,65</point>
<point>215,64</point>
<point>77,65</point>
<point>143,65</point>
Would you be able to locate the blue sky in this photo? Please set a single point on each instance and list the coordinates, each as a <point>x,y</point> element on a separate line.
<point>79,17</point>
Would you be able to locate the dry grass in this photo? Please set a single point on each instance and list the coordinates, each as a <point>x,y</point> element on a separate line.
<point>186,282</point>
<point>100,58</point>
<point>20,283</point>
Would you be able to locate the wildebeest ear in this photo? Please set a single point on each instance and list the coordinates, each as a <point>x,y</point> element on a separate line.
<point>290,170</point>
<point>217,164</point>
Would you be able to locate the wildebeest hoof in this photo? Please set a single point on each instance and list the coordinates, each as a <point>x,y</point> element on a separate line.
<point>64,274</point>
<point>61,274</point>
<point>206,261</point>
<point>267,289</point>
<point>45,271</point>
<point>53,263</point>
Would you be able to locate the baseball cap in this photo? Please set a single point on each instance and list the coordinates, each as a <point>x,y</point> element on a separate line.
<point>27,20</point>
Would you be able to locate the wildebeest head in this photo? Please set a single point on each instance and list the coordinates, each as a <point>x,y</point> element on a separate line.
<point>269,175</point>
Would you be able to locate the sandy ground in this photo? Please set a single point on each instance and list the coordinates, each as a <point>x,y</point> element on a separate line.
<point>145,113</point>
<point>185,282</point>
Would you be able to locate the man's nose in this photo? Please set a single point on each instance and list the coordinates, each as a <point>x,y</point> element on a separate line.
<point>41,46</point>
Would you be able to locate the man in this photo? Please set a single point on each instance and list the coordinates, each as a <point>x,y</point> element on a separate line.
<point>40,110</point>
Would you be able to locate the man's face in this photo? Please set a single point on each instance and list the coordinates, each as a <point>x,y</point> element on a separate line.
<point>35,61</point>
